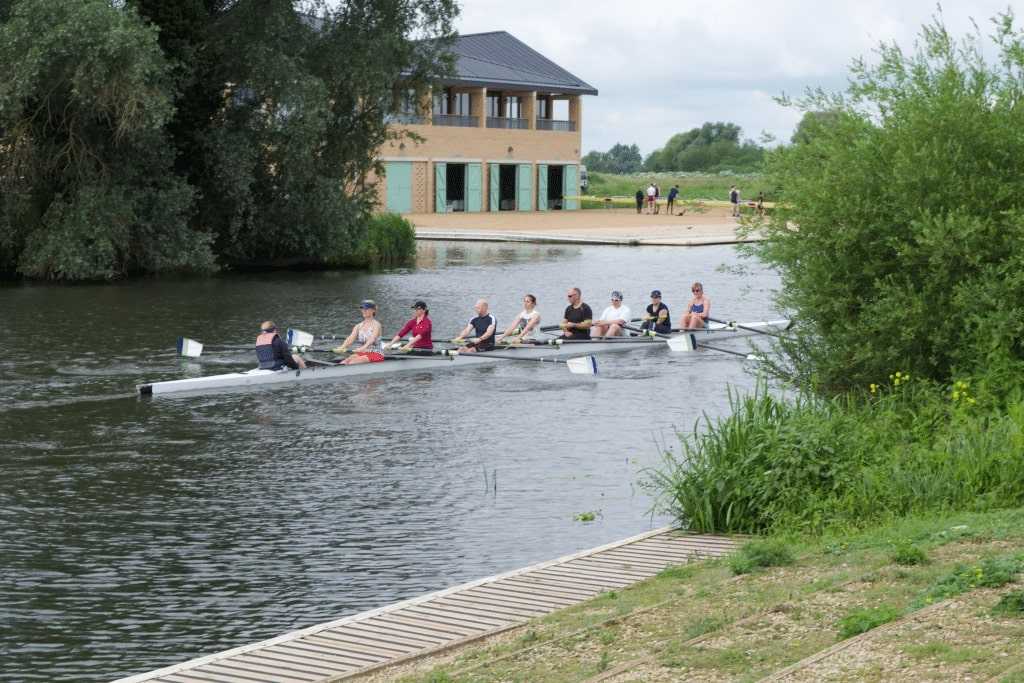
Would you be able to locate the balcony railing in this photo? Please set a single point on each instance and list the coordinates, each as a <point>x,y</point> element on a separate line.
<point>553,124</point>
<point>409,119</point>
<point>502,122</point>
<point>453,120</point>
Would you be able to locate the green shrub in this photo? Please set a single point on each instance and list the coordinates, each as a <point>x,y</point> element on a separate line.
<point>760,555</point>
<point>389,240</point>
<point>1010,605</point>
<point>907,554</point>
<point>910,204</point>
<point>989,573</point>
<point>863,620</point>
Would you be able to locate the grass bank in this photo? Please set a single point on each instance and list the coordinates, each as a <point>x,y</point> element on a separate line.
<point>813,464</point>
<point>692,186</point>
<point>930,597</point>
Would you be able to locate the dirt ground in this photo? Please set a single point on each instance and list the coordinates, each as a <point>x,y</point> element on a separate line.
<point>714,225</point>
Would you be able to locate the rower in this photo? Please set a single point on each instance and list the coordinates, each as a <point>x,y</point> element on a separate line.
<point>272,352</point>
<point>367,334</point>
<point>482,327</point>
<point>526,324</point>
<point>613,319</point>
<point>420,327</point>
<point>657,317</point>
<point>698,310</point>
<point>577,317</point>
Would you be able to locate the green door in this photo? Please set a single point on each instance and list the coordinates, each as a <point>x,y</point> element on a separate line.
<point>524,187</point>
<point>494,180</point>
<point>542,187</point>
<point>399,182</point>
<point>570,188</point>
<point>474,187</point>
<point>440,187</point>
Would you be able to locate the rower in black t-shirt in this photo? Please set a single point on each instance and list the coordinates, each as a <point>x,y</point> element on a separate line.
<point>658,317</point>
<point>482,327</point>
<point>577,317</point>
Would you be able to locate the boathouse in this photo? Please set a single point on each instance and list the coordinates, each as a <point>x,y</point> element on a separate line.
<point>502,134</point>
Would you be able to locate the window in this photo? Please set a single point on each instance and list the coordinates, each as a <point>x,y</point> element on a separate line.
<point>513,107</point>
<point>494,105</point>
<point>441,103</point>
<point>407,103</point>
<point>543,108</point>
<point>460,104</point>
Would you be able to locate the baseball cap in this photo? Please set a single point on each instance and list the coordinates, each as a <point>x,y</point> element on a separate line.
<point>656,293</point>
<point>616,294</point>
<point>368,303</point>
<point>420,304</point>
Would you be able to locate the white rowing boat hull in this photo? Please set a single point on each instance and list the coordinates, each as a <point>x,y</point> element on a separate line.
<point>420,363</point>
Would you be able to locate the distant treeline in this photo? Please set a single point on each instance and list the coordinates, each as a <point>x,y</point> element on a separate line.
<point>148,136</point>
<point>712,148</point>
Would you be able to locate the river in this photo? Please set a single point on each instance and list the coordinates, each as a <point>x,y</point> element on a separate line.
<point>141,532</point>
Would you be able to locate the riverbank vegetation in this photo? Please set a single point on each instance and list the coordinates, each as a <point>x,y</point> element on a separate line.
<point>899,237</point>
<point>692,186</point>
<point>154,135</point>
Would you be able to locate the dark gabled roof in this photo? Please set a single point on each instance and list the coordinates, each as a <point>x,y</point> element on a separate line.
<point>500,59</point>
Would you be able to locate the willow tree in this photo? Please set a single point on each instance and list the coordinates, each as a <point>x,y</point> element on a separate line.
<point>899,231</point>
<point>86,188</point>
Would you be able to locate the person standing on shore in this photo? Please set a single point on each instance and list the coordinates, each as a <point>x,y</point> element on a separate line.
<point>651,194</point>
<point>577,317</point>
<point>760,204</point>
<point>672,194</point>
<point>734,199</point>
<point>698,310</point>
<point>657,196</point>
<point>639,201</point>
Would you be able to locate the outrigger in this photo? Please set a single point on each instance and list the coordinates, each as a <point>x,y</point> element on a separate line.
<point>578,356</point>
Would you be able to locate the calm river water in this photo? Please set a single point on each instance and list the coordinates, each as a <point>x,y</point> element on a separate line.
<point>137,533</point>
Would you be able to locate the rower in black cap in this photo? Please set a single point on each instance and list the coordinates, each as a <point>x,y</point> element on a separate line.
<point>657,317</point>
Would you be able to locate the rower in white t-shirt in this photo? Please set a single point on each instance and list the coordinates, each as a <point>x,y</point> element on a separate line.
<point>526,325</point>
<point>613,319</point>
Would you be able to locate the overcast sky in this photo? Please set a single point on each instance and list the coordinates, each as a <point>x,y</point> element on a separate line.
<point>665,66</point>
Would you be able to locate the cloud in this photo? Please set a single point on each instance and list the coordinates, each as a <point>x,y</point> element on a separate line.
<point>664,66</point>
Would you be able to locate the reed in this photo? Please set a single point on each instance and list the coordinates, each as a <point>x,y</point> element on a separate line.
<point>811,464</point>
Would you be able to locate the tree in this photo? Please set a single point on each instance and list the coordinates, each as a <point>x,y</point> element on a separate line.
<point>811,123</point>
<point>283,113</point>
<point>86,185</point>
<point>899,228</point>
<point>619,159</point>
<point>712,147</point>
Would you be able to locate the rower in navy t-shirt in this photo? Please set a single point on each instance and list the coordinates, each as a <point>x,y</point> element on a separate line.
<point>482,328</point>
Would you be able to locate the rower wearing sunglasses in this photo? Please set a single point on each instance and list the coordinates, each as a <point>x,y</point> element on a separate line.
<point>698,310</point>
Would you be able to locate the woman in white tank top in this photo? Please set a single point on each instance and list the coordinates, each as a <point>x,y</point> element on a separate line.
<point>526,325</point>
<point>366,334</point>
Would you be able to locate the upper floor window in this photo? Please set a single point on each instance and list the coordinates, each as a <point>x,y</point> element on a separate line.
<point>543,108</point>
<point>460,104</point>
<point>494,105</point>
<point>408,102</point>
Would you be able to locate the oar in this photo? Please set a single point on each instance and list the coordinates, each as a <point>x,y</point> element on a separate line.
<point>688,342</point>
<point>735,324</point>
<point>552,328</point>
<point>583,365</point>
<point>648,333</point>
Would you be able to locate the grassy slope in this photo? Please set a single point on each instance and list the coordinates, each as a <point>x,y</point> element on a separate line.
<point>691,186</point>
<point>702,622</point>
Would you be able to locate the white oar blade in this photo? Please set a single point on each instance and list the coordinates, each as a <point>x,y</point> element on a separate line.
<point>585,365</point>
<point>683,343</point>
<point>299,338</point>
<point>189,348</point>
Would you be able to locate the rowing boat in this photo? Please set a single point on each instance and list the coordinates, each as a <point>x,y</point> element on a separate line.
<point>257,377</point>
